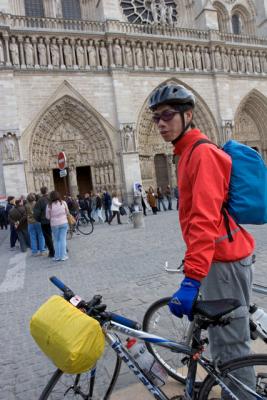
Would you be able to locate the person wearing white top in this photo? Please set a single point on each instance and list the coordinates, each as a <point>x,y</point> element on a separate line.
<point>115,208</point>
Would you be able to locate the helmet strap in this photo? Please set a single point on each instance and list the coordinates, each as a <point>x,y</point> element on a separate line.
<point>185,127</point>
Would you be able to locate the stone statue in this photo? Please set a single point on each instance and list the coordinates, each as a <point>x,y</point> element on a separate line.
<point>139,56</point>
<point>9,147</point>
<point>218,59</point>
<point>233,61</point>
<point>160,56</point>
<point>67,50</point>
<point>225,60</point>
<point>150,56</point>
<point>117,53</point>
<point>169,56</point>
<point>189,58</point>
<point>54,53</point>
<point>180,57</point>
<point>163,12</point>
<point>42,53</point>
<point>58,9</point>
<point>2,57</point>
<point>257,65</point>
<point>169,15</point>
<point>14,50</point>
<point>264,62</point>
<point>241,61</point>
<point>249,62</point>
<point>207,59</point>
<point>103,55</point>
<point>128,55</point>
<point>80,54</point>
<point>91,54</point>
<point>127,134</point>
<point>154,11</point>
<point>28,48</point>
<point>198,63</point>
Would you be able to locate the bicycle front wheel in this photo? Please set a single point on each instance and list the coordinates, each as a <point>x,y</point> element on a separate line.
<point>235,371</point>
<point>85,226</point>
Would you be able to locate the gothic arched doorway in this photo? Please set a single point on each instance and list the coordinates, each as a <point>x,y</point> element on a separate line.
<point>71,127</point>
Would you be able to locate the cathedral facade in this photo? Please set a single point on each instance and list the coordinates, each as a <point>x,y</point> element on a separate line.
<point>75,76</point>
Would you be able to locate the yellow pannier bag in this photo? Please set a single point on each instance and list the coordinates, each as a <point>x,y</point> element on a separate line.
<point>71,339</point>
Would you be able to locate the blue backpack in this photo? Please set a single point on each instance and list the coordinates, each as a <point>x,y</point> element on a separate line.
<point>247,202</point>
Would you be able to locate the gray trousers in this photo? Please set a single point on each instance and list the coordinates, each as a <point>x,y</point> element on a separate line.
<point>231,280</point>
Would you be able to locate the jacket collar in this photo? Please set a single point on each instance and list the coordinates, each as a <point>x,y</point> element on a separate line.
<point>188,140</point>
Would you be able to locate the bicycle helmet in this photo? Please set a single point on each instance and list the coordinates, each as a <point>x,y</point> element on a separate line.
<point>171,94</point>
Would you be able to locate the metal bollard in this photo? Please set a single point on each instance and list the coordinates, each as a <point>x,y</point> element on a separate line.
<point>138,219</point>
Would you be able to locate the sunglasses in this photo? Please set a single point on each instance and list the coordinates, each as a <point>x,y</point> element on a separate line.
<point>166,115</point>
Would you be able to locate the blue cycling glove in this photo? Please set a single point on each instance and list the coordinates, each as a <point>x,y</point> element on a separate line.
<point>183,300</point>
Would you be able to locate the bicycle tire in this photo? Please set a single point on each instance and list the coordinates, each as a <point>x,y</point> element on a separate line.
<point>84,226</point>
<point>158,320</point>
<point>258,361</point>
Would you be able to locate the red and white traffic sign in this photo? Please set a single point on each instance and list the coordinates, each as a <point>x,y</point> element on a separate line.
<point>61,159</point>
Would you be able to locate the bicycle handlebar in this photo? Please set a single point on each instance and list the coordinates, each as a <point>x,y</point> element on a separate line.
<point>94,306</point>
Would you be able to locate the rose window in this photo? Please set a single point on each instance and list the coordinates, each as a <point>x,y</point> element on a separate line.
<point>150,11</point>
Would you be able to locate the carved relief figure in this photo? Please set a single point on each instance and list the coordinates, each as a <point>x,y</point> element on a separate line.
<point>160,56</point>
<point>180,57</point>
<point>127,138</point>
<point>169,56</point>
<point>80,54</point>
<point>241,61</point>
<point>189,58</point>
<point>9,147</point>
<point>54,53</point>
<point>128,55</point>
<point>139,56</point>
<point>233,61</point>
<point>14,50</point>
<point>67,50</point>
<point>117,53</point>
<point>154,11</point>
<point>218,59</point>
<point>169,15</point>
<point>207,59</point>
<point>163,12</point>
<point>91,54</point>
<point>28,48</point>
<point>2,58</point>
<point>42,53</point>
<point>150,56</point>
<point>225,60</point>
<point>103,55</point>
<point>198,63</point>
<point>249,62</point>
<point>256,59</point>
<point>264,62</point>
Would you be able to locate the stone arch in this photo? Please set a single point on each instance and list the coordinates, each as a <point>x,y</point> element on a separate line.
<point>251,120</point>
<point>222,16</point>
<point>247,18</point>
<point>69,125</point>
<point>149,142</point>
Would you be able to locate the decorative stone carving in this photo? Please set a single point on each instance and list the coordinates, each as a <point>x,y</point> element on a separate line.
<point>154,11</point>
<point>170,15</point>
<point>241,62</point>
<point>42,53</point>
<point>67,54</point>
<point>150,56</point>
<point>218,59</point>
<point>163,12</point>
<point>103,55</point>
<point>54,53</point>
<point>28,48</point>
<point>128,138</point>
<point>80,54</point>
<point>2,57</point>
<point>10,147</point>
<point>207,59</point>
<point>198,63</point>
<point>249,62</point>
<point>160,56</point>
<point>169,57</point>
<point>189,58</point>
<point>91,54</point>
<point>257,66</point>
<point>233,61</point>
<point>180,57</point>
<point>225,60</point>
<point>128,55</point>
<point>139,56</point>
<point>227,128</point>
<point>117,53</point>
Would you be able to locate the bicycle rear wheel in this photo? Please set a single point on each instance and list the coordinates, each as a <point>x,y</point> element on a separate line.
<point>210,390</point>
<point>85,226</point>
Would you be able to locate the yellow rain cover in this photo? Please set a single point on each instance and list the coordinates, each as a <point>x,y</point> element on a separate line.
<point>71,339</point>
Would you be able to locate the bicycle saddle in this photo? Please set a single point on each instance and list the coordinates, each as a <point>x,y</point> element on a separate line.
<point>215,309</point>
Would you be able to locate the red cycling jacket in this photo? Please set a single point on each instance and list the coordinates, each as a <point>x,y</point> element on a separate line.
<point>203,181</point>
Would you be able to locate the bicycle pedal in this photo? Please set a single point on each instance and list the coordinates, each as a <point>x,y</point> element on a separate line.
<point>180,397</point>
<point>185,360</point>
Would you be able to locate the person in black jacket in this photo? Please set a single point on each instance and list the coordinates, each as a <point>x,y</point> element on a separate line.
<point>39,215</point>
<point>13,231</point>
<point>107,201</point>
<point>18,217</point>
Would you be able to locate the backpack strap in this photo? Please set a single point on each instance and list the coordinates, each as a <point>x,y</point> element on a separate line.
<point>200,141</point>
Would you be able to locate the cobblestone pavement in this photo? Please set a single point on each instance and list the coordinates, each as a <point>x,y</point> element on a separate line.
<point>123,264</point>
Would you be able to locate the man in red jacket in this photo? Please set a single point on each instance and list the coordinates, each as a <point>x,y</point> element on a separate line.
<point>222,268</point>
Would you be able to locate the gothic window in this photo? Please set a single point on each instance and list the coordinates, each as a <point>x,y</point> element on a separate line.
<point>236,24</point>
<point>34,8</point>
<point>71,9</point>
<point>146,11</point>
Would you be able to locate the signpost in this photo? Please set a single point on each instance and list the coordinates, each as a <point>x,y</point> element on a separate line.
<point>61,160</point>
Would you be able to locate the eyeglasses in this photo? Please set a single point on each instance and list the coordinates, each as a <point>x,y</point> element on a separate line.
<point>166,115</point>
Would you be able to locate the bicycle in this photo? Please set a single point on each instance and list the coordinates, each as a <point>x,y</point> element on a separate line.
<point>159,320</point>
<point>83,225</point>
<point>206,314</point>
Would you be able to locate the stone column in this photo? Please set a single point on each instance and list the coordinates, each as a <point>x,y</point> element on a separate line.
<point>84,42</point>
<point>164,55</point>
<point>36,63</point>
<point>6,39</point>
<point>261,57</point>
<point>155,55</point>
<point>174,57</point>
<point>61,61</point>
<point>98,65</point>
<point>212,60</point>
<point>21,50</point>
<point>47,42</point>
<point>134,56</point>
<point>72,43</point>
<point>122,41</point>
<point>110,54</point>
<point>143,44</point>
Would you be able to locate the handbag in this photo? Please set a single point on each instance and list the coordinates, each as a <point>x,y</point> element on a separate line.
<point>122,210</point>
<point>71,219</point>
